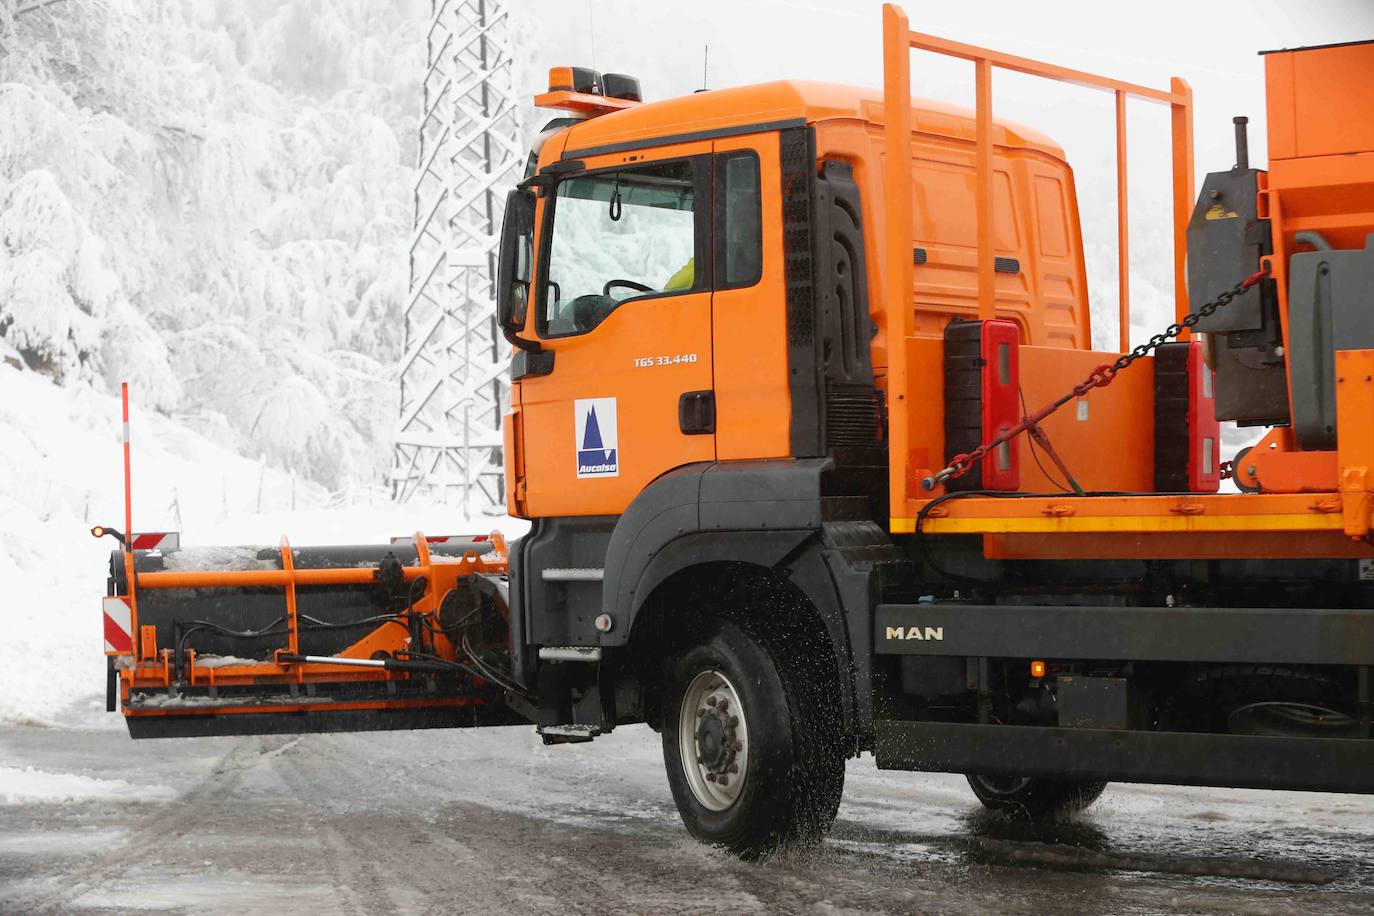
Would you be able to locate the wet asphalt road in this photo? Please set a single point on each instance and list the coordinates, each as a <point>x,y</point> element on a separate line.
<point>493,822</point>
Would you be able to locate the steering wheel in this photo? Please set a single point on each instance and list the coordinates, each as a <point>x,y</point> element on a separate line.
<point>588,311</point>
<point>628,284</point>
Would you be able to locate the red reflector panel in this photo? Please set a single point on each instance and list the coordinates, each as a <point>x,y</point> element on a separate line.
<point>1204,430</point>
<point>982,381</point>
<point>119,626</point>
<point>1187,434</point>
<point>1001,383</point>
<point>156,540</point>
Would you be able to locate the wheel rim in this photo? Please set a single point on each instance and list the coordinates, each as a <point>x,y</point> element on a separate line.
<point>713,740</point>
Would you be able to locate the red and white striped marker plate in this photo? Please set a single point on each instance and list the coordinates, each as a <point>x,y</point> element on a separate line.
<point>157,540</point>
<point>119,626</point>
<point>442,538</point>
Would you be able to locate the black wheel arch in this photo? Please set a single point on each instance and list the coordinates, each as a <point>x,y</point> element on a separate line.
<point>755,522</point>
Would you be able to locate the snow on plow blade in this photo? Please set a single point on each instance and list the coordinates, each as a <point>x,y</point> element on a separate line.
<point>266,640</point>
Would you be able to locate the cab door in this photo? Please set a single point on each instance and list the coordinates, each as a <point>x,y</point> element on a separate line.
<point>623,309</point>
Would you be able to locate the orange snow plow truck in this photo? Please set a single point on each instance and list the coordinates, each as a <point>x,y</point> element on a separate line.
<point>819,459</point>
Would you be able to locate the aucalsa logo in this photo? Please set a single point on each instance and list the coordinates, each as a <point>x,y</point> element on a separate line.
<point>596,443</point>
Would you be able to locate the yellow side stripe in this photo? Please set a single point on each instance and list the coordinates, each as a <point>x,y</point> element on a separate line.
<point>1310,521</point>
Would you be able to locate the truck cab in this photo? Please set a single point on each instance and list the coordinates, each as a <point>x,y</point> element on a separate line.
<point>705,280</point>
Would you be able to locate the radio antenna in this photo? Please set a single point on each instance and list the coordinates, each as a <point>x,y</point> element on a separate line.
<point>591,28</point>
<point>705,58</point>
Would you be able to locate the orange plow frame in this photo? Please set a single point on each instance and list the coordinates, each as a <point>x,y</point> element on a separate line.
<point>149,668</point>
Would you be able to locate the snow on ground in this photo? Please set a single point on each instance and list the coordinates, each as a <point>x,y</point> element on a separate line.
<point>27,785</point>
<point>61,472</point>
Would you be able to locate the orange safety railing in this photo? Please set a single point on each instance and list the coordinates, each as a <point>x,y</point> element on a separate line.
<point>898,42</point>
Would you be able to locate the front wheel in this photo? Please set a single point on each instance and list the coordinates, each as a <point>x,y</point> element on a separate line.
<point>1034,799</point>
<point>752,746</point>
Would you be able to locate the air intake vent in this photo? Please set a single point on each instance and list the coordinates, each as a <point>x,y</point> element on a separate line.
<point>1006,265</point>
<point>851,416</point>
<point>798,164</point>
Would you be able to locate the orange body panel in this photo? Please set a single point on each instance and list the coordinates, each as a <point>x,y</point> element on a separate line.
<point>749,336</point>
<point>605,363</point>
<point>1106,437</point>
<point>147,642</point>
<point>1035,219</point>
<point>1355,433</point>
<point>1312,94</point>
<point>512,440</point>
<point>1138,515</point>
<point>581,102</point>
<point>925,409</point>
<point>1275,466</point>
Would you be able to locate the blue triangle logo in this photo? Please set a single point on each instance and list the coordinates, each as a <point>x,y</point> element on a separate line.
<point>591,436</point>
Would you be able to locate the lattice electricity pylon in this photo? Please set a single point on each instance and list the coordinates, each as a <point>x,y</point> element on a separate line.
<point>454,373</point>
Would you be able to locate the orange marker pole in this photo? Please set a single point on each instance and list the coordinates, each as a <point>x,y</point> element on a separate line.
<point>129,530</point>
<point>1123,230</point>
<point>128,479</point>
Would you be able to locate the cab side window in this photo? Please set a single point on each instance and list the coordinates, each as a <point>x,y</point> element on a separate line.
<point>621,236</point>
<point>739,221</point>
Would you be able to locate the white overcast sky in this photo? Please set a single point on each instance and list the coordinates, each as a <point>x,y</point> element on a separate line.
<point>1213,44</point>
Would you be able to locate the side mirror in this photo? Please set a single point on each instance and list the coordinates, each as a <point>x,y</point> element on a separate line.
<point>514,270</point>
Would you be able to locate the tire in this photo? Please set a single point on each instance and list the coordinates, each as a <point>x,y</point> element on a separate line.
<point>1262,700</point>
<point>1034,799</point>
<point>775,740</point>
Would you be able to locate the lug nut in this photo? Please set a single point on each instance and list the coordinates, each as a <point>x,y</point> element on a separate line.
<point>711,701</point>
<point>710,777</point>
<point>739,745</point>
<point>723,780</point>
<point>700,713</point>
<point>724,704</point>
<point>734,720</point>
<point>732,768</point>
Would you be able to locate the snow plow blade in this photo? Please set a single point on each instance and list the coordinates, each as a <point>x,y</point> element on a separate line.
<point>266,640</point>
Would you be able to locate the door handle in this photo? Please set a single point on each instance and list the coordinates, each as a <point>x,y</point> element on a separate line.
<point>696,413</point>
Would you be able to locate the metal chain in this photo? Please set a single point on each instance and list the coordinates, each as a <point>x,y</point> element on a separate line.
<point>1099,378</point>
<point>1190,320</point>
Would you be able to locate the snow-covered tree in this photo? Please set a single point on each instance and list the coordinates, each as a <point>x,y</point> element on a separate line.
<point>210,200</point>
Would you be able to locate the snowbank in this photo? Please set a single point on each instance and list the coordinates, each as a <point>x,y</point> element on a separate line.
<point>27,786</point>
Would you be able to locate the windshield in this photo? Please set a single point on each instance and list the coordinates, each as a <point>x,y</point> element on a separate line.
<point>617,236</point>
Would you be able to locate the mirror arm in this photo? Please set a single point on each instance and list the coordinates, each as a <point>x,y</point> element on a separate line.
<point>538,184</point>
<point>521,343</point>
